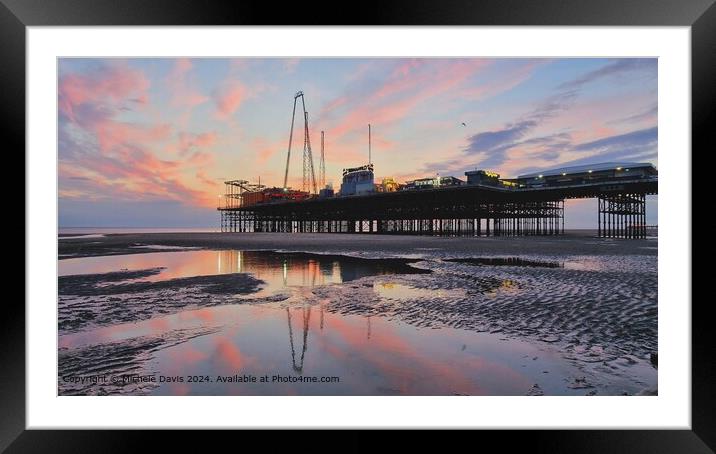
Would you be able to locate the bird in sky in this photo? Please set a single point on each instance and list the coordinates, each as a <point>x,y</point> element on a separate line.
<point>464,124</point>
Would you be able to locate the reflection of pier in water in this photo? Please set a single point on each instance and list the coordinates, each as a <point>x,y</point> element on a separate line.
<point>293,269</point>
<point>278,269</point>
<point>306,319</point>
<point>298,269</point>
<point>306,312</point>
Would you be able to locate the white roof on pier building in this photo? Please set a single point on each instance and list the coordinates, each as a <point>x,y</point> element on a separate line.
<point>586,168</point>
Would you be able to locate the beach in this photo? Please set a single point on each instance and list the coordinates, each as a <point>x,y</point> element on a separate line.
<point>409,315</point>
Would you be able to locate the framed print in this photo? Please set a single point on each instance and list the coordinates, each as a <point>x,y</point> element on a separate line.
<point>412,217</point>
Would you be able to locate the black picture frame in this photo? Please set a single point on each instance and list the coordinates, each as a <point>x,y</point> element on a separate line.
<point>700,15</point>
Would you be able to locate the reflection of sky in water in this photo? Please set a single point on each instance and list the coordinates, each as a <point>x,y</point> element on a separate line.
<point>396,291</point>
<point>276,269</point>
<point>371,355</point>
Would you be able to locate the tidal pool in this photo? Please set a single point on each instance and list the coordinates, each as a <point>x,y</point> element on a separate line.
<point>168,323</point>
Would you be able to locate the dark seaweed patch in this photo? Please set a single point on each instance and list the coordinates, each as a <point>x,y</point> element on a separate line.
<point>506,261</point>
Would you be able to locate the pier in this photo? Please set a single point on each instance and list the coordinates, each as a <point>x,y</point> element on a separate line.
<point>527,205</point>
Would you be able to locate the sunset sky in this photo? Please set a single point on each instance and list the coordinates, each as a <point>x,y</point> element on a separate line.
<point>148,142</point>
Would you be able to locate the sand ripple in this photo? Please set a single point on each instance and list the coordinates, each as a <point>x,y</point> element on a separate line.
<point>594,316</point>
<point>111,298</point>
<point>116,364</point>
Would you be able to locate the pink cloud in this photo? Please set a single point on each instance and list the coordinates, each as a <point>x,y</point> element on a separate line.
<point>204,179</point>
<point>104,157</point>
<point>181,67</point>
<point>178,83</point>
<point>199,159</point>
<point>113,84</point>
<point>335,104</point>
<point>132,173</point>
<point>505,82</point>
<point>111,133</point>
<point>409,86</point>
<point>264,149</point>
<point>189,142</point>
<point>228,99</point>
<point>264,154</point>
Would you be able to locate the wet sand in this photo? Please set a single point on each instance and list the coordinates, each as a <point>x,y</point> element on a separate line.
<point>572,243</point>
<point>591,302</point>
